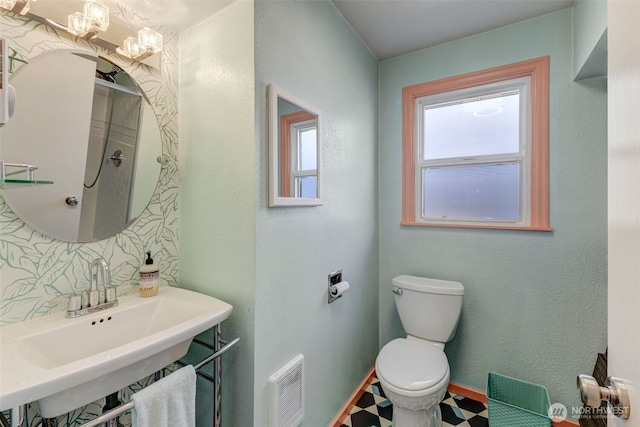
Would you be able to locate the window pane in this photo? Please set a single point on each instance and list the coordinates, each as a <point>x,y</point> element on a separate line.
<point>307,186</point>
<point>472,192</point>
<point>473,127</point>
<point>307,140</point>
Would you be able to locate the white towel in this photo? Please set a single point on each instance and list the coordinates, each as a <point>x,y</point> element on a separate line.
<point>170,402</point>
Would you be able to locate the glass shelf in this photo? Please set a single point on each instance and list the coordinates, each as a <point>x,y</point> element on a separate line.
<point>8,184</point>
<point>19,168</point>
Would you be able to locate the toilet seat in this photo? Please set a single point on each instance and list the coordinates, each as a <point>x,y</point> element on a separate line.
<point>412,366</point>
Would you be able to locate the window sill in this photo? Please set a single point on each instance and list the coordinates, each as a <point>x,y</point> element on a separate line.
<point>494,227</point>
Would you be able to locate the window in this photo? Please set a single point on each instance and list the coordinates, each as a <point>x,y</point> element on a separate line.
<point>299,172</point>
<point>475,149</point>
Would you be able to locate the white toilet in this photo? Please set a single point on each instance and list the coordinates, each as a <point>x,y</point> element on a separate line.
<point>414,371</point>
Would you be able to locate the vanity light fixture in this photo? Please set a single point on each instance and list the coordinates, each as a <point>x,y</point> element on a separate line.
<point>148,43</point>
<point>92,24</point>
<point>93,19</point>
<point>17,6</point>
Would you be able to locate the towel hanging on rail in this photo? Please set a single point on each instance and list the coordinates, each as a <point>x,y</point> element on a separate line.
<point>168,402</point>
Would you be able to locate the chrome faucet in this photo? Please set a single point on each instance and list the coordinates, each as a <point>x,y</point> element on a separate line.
<point>94,294</point>
<point>79,305</point>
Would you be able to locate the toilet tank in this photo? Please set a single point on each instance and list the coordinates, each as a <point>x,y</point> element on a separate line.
<point>428,308</point>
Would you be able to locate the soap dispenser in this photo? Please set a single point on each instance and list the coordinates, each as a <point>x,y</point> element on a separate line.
<point>149,277</point>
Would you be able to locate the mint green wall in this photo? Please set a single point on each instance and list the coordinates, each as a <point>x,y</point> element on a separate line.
<point>217,188</point>
<point>590,38</point>
<point>535,302</point>
<point>305,48</point>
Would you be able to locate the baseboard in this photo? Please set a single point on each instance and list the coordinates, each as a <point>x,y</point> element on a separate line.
<point>482,397</point>
<point>344,411</point>
<point>467,392</point>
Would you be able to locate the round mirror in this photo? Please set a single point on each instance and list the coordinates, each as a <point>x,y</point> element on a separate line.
<point>87,126</point>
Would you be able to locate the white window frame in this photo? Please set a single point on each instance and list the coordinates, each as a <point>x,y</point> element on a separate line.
<point>296,171</point>
<point>522,85</point>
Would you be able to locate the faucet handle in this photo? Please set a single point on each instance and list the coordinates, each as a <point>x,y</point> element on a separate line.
<point>75,303</point>
<point>110,294</point>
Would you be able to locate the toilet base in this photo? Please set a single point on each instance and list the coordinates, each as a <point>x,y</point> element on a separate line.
<point>421,411</point>
<point>431,417</point>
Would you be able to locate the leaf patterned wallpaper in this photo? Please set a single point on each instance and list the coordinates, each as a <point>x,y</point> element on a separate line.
<point>38,273</point>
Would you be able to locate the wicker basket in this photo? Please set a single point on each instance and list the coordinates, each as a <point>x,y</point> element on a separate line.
<point>516,403</point>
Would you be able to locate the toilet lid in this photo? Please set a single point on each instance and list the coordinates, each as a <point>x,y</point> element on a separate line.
<point>412,365</point>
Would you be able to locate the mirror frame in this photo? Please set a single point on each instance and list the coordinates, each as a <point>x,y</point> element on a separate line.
<point>275,200</point>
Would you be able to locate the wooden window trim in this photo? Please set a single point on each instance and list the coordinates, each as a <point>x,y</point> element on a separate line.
<point>538,70</point>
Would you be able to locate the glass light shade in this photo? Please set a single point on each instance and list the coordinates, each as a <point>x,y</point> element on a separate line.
<point>149,39</point>
<point>97,14</point>
<point>77,24</point>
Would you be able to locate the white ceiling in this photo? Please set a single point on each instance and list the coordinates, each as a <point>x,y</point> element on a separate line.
<point>394,27</point>
<point>387,27</point>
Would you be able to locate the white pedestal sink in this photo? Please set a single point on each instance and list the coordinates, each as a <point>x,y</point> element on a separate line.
<point>66,363</point>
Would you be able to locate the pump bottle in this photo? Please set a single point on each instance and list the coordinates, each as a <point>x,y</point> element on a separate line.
<point>149,277</point>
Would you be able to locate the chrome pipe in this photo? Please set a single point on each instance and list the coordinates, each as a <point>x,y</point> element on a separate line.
<point>19,416</point>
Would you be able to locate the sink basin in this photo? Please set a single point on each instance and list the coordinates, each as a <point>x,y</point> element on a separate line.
<point>66,363</point>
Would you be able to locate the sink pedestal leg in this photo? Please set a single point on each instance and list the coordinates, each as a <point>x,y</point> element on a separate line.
<point>112,401</point>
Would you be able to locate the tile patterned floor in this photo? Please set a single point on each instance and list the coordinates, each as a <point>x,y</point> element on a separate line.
<point>374,410</point>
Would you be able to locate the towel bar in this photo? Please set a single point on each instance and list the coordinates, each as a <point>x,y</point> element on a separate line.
<point>217,354</point>
<point>109,415</point>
